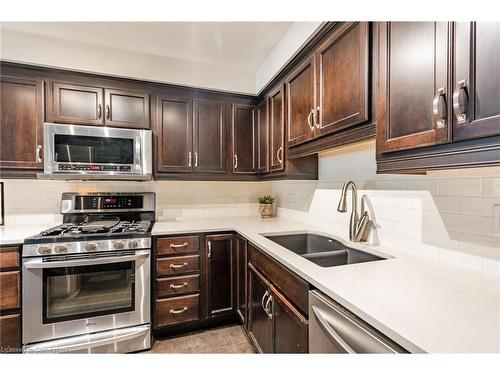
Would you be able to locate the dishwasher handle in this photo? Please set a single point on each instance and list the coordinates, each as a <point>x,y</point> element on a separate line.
<point>328,329</point>
<point>342,330</point>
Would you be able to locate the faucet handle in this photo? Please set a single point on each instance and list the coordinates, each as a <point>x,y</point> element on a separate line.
<point>363,228</point>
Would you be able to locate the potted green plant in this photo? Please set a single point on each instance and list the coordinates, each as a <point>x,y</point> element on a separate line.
<point>266,206</point>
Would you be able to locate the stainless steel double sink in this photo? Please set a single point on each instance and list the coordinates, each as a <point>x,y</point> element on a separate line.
<point>321,250</point>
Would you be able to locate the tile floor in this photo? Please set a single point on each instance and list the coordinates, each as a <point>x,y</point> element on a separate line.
<point>225,339</point>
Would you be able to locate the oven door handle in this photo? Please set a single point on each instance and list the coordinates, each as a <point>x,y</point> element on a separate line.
<point>72,344</point>
<point>38,263</point>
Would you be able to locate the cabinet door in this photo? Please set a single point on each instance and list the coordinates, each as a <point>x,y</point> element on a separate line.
<point>241,279</point>
<point>263,137</point>
<point>277,128</point>
<point>476,85</point>
<point>244,139</point>
<point>342,72</point>
<point>290,327</point>
<point>219,274</point>
<point>126,109</point>
<point>10,333</point>
<point>259,321</point>
<point>209,137</point>
<point>413,95</point>
<point>21,126</point>
<point>74,104</point>
<point>175,135</point>
<point>301,99</point>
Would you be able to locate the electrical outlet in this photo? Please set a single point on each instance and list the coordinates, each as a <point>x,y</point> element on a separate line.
<point>496,218</point>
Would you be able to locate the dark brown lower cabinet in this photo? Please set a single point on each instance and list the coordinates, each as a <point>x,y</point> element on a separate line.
<point>219,274</point>
<point>259,327</point>
<point>274,324</point>
<point>10,299</point>
<point>289,326</point>
<point>241,279</point>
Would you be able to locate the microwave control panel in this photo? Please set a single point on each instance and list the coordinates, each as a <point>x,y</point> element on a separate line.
<point>94,167</point>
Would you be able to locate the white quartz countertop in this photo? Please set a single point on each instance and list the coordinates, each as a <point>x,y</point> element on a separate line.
<point>424,306</point>
<point>15,234</point>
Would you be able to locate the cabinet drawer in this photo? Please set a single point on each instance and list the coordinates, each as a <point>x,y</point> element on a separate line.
<point>178,245</point>
<point>9,257</point>
<point>178,265</point>
<point>295,288</point>
<point>10,290</point>
<point>10,337</point>
<point>177,285</point>
<point>177,309</point>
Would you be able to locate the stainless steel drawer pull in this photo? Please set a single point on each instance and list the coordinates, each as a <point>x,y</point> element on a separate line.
<point>279,155</point>
<point>316,117</point>
<point>262,301</point>
<point>178,286</point>
<point>196,160</point>
<point>178,265</point>
<point>39,153</point>
<point>178,311</point>
<point>309,119</point>
<point>439,108</point>
<point>235,161</point>
<point>174,246</point>
<point>190,158</point>
<point>460,101</point>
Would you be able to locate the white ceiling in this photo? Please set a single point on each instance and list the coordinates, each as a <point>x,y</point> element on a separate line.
<point>243,45</point>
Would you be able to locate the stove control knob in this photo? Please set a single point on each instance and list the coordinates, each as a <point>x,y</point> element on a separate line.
<point>119,245</point>
<point>91,246</point>
<point>61,249</point>
<point>44,249</point>
<point>133,244</point>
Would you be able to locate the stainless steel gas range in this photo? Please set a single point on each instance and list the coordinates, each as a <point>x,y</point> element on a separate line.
<point>86,283</point>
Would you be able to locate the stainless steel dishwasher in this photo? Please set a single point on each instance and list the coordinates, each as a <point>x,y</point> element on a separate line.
<point>333,329</point>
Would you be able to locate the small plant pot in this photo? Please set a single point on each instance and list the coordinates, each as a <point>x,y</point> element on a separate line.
<point>266,210</point>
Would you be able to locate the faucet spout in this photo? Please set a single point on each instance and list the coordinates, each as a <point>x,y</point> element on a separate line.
<point>342,207</point>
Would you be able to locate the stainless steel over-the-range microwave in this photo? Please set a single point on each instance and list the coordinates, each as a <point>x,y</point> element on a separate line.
<point>96,152</point>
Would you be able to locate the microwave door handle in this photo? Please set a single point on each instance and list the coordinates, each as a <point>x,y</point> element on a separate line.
<point>38,263</point>
<point>138,152</point>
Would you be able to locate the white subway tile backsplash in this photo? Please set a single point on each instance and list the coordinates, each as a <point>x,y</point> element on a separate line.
<point>460,186</point>
<point>444,215</point>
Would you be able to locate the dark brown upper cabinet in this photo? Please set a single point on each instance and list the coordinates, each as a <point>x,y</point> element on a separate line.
<point>301,98</point>
<point>21,116</point>
<point>76,104</point>
<point>126,109</point>
<point>329,91</point>
<point>277,128</point>
<point>209,137</point>
<point>86,105</point>
<point>476,80</point>
<point>413,94</point>
<point>342,79</point>
<point>244,139</point>
<point>263,136</point>
<point>220,259</point>
<point>174,134</point>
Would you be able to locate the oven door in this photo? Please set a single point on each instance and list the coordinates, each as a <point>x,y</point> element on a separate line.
<point>96,150</point>
<point>84,294</point>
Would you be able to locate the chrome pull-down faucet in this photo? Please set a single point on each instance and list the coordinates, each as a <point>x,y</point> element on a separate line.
<point>359,228</point>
